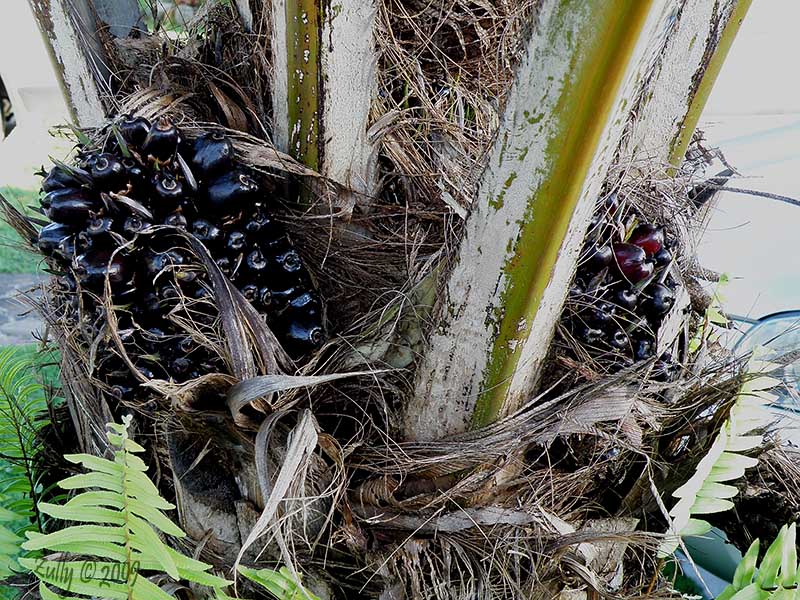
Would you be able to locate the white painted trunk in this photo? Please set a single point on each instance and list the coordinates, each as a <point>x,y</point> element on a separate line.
<point>459,370</point>
<point>347,87</point>
<point>70,37</point>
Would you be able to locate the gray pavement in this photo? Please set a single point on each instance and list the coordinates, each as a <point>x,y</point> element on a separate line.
<point>17,320</point>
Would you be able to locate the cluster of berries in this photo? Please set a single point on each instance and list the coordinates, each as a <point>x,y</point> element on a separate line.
<point>623,290</point>
<point>121,215</point>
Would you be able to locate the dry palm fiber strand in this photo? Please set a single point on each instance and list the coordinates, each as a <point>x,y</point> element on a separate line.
<point>496,513</point>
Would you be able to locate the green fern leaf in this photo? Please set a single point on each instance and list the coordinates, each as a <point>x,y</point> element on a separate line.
<point>281,584</point>
<point>705,492</point>
<point>114,540</point>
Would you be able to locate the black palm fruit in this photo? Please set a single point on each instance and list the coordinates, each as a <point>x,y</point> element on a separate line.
<point>213,154</point>
<point>162,140</point>
<point>70,206</point>
<point>134,130</point>
<point>230,193</point>
<point>660,300</point>
<point>126,201</point>
<point>108,173</point>
<point>61,177</point>
<point>51,236</point>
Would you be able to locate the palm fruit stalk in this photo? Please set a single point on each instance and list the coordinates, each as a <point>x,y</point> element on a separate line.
<point>120,215</point>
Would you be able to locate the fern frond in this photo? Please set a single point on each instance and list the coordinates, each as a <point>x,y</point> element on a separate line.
<point>708,490</point>
<point>116,542</point>
<point>281,584</point>
<point>775,578</point>
<point>23,406</point>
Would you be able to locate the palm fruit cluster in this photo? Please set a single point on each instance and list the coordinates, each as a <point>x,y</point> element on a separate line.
<point>122,214</point>
<point>623,290</point>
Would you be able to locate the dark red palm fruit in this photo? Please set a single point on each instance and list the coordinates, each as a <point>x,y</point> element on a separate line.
<point>133,225</point>
<point>663,257</point>
<point>108,172</point>
<point>162,140</point>
<point>60,177</point>
<point>51,235</point>
<point>626,298</point>
<point>250,292</point>
<point>134,130</point>
<point>168,189</point>
<point>93,267</point>
<point>301,338</point>
<point>256,262</point>
<point>597,258</point>
<point>648,237</point>
<point>632,263</point>
<point>212,154</point>
<point>660,300</point>
<point>206,232</point>
<point>229,193</point>
<point>70,206</point>
<point>236,241</point>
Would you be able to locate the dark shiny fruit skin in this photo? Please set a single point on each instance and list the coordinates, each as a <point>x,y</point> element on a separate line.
<point>176,219</point>
<point>93,267</point>
<point>602,315</point>
<point>626,298</point>
<point>648,237</point>
<point>134,172</point>
<point>301,338</point>
<point>108,172</point>
<point>632,262</point>
<point>59,178</point>
<point>590,335</point>
<point>133,225</point>
<point>619,340</point>
<point>660,300</point>
<point>250,292</point>
<point>134,130</point>
<point>236,242</point>
<point>598,258</point>
<point>168,189</point>
<point>663,257</point>
<point>206,232</point>
<point>230,193</point>
<point>289,262</point>
<point>71,208</point>
<point>162,140</point>
<point>213,153</point>
<point>256,262</point>
<point>51,235</point>
<point>99,226</point>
